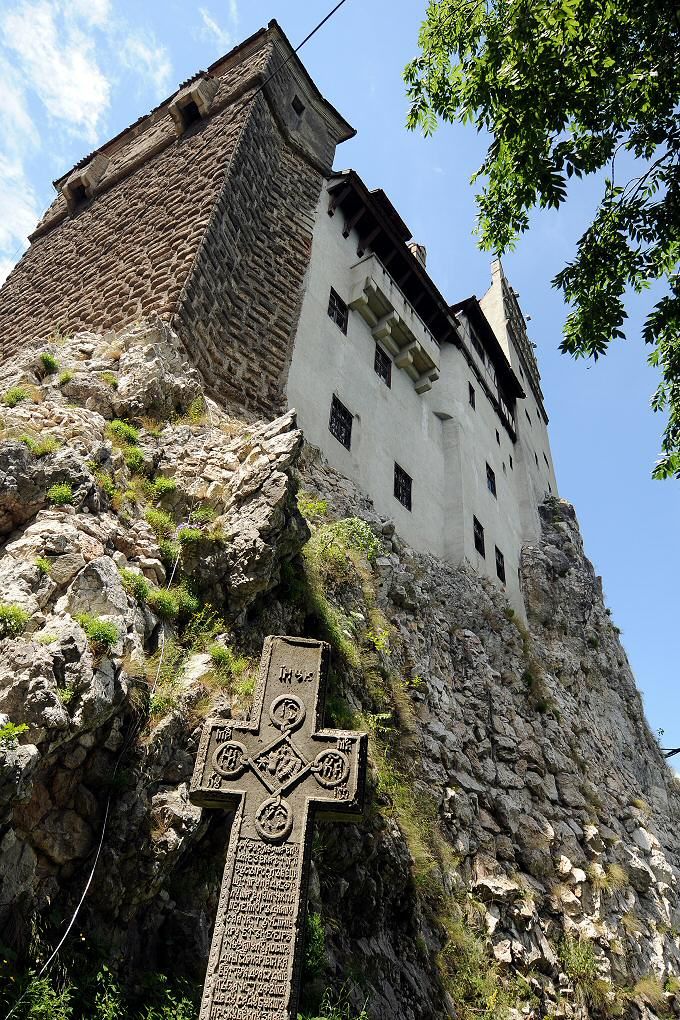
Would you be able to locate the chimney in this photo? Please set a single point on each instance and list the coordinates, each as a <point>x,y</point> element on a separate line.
<point>419,250</point>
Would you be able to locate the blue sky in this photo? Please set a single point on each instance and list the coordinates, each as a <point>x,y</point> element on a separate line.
<point>74,72</point>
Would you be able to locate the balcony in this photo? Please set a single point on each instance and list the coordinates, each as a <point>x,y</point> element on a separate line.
<point>394,322</point>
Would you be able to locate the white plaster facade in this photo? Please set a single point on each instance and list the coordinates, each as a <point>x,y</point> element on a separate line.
<point>425,421</point>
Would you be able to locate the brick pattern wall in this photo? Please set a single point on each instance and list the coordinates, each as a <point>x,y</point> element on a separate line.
<point>242,303</point>
<point>212,231</point>
<point>129,252</point>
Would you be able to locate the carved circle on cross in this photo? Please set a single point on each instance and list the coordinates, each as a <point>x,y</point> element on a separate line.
<point>230,759</point>
<point>331,768</point>
<point>274,819</point>
<point>287,712</point>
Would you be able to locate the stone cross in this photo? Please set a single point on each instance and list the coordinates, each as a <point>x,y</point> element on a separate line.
<point>278,770</point>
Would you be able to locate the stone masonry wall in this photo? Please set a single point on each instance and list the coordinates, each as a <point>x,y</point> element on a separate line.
<point>128,253</point>
<point>242,302</point>
<point>212,230</point>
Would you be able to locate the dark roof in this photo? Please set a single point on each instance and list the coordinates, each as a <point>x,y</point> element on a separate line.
<point>380,221</point>
<point>473,310</point>
<point>346,129</point>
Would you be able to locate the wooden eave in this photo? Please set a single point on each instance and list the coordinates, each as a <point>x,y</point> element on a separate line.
<point>504,372</point>
<point>381,228</point>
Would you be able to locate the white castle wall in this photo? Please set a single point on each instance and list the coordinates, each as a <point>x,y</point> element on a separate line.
<point>437,437</point>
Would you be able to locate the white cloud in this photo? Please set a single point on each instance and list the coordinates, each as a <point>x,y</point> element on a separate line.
<point>151,61</point>
<point>211,29</point>
<point>57,62</point>
<point>17,130</point>
<point>18,208</point>
<point>96,12</point>
<point>233,11</point>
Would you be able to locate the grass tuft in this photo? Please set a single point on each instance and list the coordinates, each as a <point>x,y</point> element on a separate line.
<point>13,620</point>
<point>59,494</point>
<point>101,634</point>
<point>15,395</point>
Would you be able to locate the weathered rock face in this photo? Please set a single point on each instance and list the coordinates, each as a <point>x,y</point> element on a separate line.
<point>520,810</point>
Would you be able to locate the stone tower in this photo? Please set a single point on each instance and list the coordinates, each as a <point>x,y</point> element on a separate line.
<point>201,212</point>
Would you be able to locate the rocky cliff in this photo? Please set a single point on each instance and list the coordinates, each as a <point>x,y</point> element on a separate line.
<point>519,856</point>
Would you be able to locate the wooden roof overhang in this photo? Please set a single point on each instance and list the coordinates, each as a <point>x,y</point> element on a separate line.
<point>507,379</point>
<point>381,228</point>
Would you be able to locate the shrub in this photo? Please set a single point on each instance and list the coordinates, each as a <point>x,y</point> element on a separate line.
<point>65,377</point>
<point>164,603</point>
<point>170,552</point>
<point>100,633</point>
<point>13,619</point>
<point>228,665</point>
<point>160,522</point>
<point>10,733</point>
<point>189,536</point>
<point>196,411</point>
<point>43,565</point>
<point>160,487</point>
<point>315,947</point>
<point>134,458</point>
<point>334,1008</point>
<point>310,508</point>
<point>135,584</point>
<point>203,515</point>
<point>40,447</point>
<point>105,482</point>
<point>60,494</point>
<point>123,432</point>
<point>169,603</point>
<point>14,396</point>
<point>110,378</point>
<point>49,363</point>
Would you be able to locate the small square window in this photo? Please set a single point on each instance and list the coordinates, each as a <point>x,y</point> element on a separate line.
<point>510,461</point>
<point>79,195</point>
<point>383,366</point>
<point>500,565</point>
<point>479,536</point>
<point>498,438</point>
<point>491,480</point>
<point>340,422</point>
<point>471,395</point>
<point>190,114</point>
<point>298,106</point>
<point>337,310</point>
<point>402,486</point>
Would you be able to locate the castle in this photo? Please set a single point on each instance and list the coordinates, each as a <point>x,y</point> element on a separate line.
<point>291,284</point>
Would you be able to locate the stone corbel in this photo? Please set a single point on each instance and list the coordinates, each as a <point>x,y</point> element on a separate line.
<point>382,331</point>
<point>82,183</point>
<point>404,358</point>
<point>201,93</point>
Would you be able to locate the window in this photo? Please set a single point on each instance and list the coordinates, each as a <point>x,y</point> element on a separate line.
<point>471,395</point>
<point>479,536</point>
<point>491,480</point>
<point>383,366</point>
<point>337,310</point>
<point>78,195</point>
<point>546,461</point>
<point>402,486</point>
<point>298,106</point>
<point>500,565</point>
<point>498,438</point>
<point>340,423</point>
<point>536,458</point>
<point>528,415</point>
<point>510,460</point>
<point>190,114</point>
